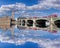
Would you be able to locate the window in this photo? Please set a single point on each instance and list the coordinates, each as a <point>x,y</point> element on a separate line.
<point>42,23</point>
<point>29,22</point>
<point>57,23</point>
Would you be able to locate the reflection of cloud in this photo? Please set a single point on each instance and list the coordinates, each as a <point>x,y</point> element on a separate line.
<point>27,37</point>
<point>45,43</point>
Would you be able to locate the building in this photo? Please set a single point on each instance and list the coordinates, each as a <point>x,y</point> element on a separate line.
<point>7,22</point>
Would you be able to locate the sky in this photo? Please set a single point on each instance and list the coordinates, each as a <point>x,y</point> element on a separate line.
<point>31,2</point>
<point>29,8</point>
<point>32,7</point>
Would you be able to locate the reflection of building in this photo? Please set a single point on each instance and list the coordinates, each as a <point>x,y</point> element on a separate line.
<point>50,23</point>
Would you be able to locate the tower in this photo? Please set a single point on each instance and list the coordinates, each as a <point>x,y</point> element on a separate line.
<point>12,15</point>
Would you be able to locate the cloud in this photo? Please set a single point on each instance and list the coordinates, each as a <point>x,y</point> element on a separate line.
<point>44,4</point>
<point>51,4</point>
<point>22,8</point>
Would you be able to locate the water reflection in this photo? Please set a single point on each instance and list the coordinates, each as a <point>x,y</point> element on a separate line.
<point>22,36</point>
<point>18,35</point>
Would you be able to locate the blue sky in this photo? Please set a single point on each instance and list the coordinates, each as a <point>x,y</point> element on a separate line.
<point>30,8</point>
<point>27,2</point>
<point>44,6</point>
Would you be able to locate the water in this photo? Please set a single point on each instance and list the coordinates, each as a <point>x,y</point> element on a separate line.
<point>28,39</point>
<point>26,45</point>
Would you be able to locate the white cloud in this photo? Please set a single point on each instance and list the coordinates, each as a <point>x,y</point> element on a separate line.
<point>45,4</point>
<point>42,5</point>
<point>51,4</point>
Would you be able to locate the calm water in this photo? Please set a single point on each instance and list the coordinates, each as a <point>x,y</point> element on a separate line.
<point>28,39</point>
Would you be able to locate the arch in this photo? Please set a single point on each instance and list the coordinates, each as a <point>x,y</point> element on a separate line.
<point>29,23</point>
<point>57,23</point>
<point>23,22</point>
<point>42,23</point>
